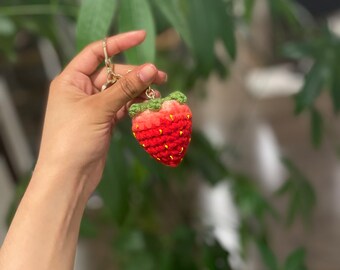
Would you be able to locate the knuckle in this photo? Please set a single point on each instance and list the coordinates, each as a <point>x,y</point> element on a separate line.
<point>99,57</point>
<point>92,49</point>
<point>128,87</point>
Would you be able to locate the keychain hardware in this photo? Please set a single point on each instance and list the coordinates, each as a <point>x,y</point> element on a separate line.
<point>112,77</point>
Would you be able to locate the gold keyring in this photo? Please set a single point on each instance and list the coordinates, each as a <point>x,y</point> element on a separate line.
<point>111,76</point>
<point>150,93</point>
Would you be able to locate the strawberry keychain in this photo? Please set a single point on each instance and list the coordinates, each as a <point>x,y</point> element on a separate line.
<point>162,126</point>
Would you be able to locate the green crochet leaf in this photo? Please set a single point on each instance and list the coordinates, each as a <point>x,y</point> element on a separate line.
<point>156,104</point>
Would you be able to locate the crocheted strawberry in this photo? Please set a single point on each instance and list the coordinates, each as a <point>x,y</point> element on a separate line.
<point>162,126</point>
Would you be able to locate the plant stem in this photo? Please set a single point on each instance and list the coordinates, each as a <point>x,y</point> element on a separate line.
<point>20,10</point>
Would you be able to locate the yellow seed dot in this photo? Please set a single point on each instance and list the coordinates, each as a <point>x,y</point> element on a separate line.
<point>182,149</point>
<point>166,146</point>
<point>137,126</point>
<point>158,158</point>
<point>188,116</point>
<point>143,145</point>
<point>171,117</point>
<point>134,134</point>
<point>181,133</point>
<point>181,159</point>
<point>160,132</point>
<point>171,157</point>
<point>189,139</point>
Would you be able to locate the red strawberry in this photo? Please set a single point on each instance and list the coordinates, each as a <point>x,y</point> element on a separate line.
<point>162,126</point>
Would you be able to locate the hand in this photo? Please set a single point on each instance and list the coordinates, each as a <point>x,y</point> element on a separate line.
<point>79,118</point>
<point>76,136</point>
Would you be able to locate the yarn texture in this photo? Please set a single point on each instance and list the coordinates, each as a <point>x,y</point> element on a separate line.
<point>163,127</point>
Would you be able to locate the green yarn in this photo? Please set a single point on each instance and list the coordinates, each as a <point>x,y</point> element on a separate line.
<point>156,104</point>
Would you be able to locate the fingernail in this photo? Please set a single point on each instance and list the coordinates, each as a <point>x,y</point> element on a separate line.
<point>163,75</point>
<point>147,73</point>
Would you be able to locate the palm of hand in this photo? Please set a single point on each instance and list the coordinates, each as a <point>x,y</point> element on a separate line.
<point>79,118</point>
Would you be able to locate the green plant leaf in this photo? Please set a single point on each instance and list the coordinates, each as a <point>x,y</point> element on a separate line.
<point>316,126</point>
<point>174,14</point>
<point>216,257</point>
<point>249,7</point>
<point>41,25</point>
<point>94,20</point>
<point>115,185</point>
<point>335,84</point>
<point>202,157</point>
<point>136,15</point>
<point>285,188</point>
<point>202,34</point>
<point>88,229</point>
<point>301,195</point>
<point>268,256</point>
<point>295,260</point>
<point>7,26</point>
<point>308,203</point>
<point>181,249</point>
<point>294,207</point>
<point>221,14</point>
<point>284,9</point>
<point>249,199</point>
<point>220,68</point>
<point>337,150</point>
<point>335,93</point>
<point>131,243</point>
<point>314,82</point>
<point>224,10</point>
<point>6,47</point>
<point>19,193</point>
<point>291,167</point>
<point>298,50</point>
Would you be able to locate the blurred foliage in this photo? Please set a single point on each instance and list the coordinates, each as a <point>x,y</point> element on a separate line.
<point>294,261</point>
<point>302,196</point>
<point>150,208</point>
<point>323,49</point>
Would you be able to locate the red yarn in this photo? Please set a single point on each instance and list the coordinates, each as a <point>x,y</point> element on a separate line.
<point>165,134</point>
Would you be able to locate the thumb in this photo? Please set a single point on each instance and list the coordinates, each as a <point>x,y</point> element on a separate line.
<point>128,87</point>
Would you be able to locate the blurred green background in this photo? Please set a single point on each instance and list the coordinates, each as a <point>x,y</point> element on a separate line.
<point>238,61</point>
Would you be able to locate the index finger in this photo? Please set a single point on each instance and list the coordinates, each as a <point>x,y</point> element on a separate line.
<point>92,55</point>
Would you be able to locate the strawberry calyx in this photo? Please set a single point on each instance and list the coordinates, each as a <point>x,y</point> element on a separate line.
<point>156,104</point>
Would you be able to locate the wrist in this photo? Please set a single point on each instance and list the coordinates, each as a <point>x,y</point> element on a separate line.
<point>60,182</point>
<point>80,175</point>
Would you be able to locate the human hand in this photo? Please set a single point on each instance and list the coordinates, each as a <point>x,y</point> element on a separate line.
<point>76,136</point>
<point>79,118</point>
